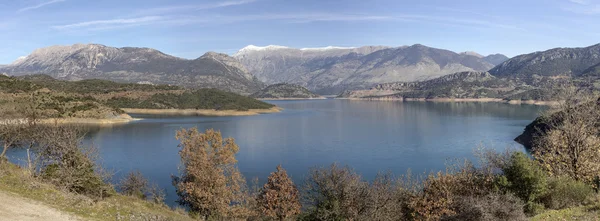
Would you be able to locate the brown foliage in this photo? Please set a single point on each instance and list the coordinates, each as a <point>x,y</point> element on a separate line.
<point>279,196</point>
<point>571,145</point>
<point>134,184</point>
<point>335,193</point>
<point>440,191</point>
<point>209,183</point>
<point>491,207</point>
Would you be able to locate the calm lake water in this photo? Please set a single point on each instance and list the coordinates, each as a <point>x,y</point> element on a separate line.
<point>370,136</point>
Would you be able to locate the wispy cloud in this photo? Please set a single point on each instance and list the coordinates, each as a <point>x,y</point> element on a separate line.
<point>214,19</point>
<point>180,20</point>
<point>171,9</point>
<point>111,22</point>
<point>580,2</point>
<point>583,7</point>
<point>39,5</point>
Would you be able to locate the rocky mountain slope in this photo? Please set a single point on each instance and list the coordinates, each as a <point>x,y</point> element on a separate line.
<point>535,76</point>
<point>460,85</point>
<point>331,70</point>
<point>558,62</point>
<point>133,65</point>
<point>285,91</point>
<point>495,59</point>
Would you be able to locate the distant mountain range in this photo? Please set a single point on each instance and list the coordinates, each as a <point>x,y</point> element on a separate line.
<point>526,77</point>
<point>332,70</point>
<point>136,65</point>
<point>329,70</point>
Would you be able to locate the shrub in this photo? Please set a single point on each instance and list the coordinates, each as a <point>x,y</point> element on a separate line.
<point>523,177</point>
<point>565,192</point>
<point>63,162</point>
<point>487,208</point>
<point>441,190</point>
<point>279,196</point>
<point>335,193</point>
<point>156,194</point>
<point>210,184</point>
<point>134,184</point>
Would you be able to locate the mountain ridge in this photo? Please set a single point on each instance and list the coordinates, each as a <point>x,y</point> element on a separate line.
<point>133,65</point>
<point>331,70</point>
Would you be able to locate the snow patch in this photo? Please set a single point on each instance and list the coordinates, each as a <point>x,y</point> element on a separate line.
<point>19,60</point>
<point>252,48</point>
<point>326,48</point>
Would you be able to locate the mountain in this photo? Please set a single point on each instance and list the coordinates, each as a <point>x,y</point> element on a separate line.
<point>472,53</point>
<point>285,91</point>
<point>134,65</point>
<point>331,70</point>
<point>558,62</point>
<point>462,85</point>
<point>593,71</point>
<point>495,59</point>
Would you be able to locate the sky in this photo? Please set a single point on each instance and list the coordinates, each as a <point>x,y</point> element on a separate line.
<point>189,28</point>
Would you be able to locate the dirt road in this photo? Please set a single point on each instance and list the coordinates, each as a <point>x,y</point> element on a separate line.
<point>16,208</point>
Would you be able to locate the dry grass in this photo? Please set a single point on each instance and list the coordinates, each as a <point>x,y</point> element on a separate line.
<point>16,180</point>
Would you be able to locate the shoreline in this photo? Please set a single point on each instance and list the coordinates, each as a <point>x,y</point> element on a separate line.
<point>202,112</point>
<point>461,100</point>
<point>291,99</point>
<point>122,119</point>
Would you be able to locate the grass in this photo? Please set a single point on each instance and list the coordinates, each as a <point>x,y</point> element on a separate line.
<point>16,180</point>
<point>589,212</point>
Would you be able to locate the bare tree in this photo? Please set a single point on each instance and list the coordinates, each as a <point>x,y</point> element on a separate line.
<point>569,144</point>
<point>11,133</point>
<point>134,184</point>
<point>335,193</point>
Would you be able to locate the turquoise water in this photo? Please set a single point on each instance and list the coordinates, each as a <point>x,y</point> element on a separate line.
<point>370,136</point>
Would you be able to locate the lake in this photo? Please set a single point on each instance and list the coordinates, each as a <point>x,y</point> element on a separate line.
<point>369,136</point>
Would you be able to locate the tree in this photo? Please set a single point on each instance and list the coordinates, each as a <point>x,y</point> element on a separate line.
<point>279,196</point>
<point>335,193</point>
<point>569,144</point>
<point>134,184</point>
<point>210,184</point>
<point>11,133</point>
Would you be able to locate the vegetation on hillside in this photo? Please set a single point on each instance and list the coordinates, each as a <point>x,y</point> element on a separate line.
<point>284,90</point>
<point>199,99</point>
<point>101,99</point>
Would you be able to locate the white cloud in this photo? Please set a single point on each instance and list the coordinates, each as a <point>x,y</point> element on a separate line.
<point>111,22</point>
<point>179,20</point>
<point>581,2</point>
<point>39,5</point>
<point>170,9</point>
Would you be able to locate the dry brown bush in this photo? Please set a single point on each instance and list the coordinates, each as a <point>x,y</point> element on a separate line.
<point>134,184</point>
<point>210,184</point>
<point>279,197</point>
<point>440,191</point>
<point>570,145</point>
<point>491,207</point>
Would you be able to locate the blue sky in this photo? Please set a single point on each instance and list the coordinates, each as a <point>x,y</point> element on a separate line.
<point>191,28</point>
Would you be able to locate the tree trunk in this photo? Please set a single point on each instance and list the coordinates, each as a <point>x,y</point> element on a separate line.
<point>3,155</point>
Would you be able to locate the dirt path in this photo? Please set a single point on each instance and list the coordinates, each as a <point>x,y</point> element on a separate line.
<point>13,207</point>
